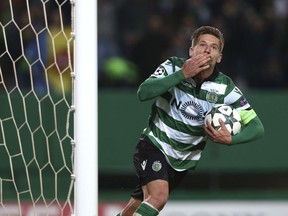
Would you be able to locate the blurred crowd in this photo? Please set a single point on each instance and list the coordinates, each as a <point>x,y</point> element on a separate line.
<point>34,44</point>
<point>135,36</point>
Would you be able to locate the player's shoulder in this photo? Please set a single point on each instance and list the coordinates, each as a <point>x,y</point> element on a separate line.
<point>176,61</point>
<point>224,78</point>
<point>229,84</point>
<point>172,64</point>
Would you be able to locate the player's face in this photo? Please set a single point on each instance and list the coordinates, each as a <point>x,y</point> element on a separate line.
<point>207,44</point>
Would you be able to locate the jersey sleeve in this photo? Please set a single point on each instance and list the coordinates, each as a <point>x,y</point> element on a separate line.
<point>252,126</point>
<point>166,76</point>
<point>240,102</point>
<point>237,99</point>
<point>252,131</point>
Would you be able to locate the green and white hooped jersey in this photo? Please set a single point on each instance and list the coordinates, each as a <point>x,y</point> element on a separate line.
<point>177,117</point>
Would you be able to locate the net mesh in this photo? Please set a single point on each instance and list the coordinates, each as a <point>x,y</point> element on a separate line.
<point>36,96</point>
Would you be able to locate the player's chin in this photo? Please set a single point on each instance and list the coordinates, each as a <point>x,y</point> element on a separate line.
<point>210,63</point>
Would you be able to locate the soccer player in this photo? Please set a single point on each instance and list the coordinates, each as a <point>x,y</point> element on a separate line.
<point>171,144</point>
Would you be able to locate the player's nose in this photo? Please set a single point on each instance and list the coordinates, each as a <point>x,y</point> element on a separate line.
<point>207,49</point>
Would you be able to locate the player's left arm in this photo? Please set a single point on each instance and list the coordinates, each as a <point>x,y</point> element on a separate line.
<point>252,130</point>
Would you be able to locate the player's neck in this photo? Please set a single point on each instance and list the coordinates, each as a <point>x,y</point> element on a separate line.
<point>199,78</point>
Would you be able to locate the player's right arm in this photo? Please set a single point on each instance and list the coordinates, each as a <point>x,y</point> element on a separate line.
<point>165,76</point>
<point>156,86</point>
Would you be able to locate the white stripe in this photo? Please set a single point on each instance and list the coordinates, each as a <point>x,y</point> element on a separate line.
<point>177,68</point>
<point>243,107</point>
<point>168,67</point>
<point>173,113</point>
<point>232,97</point>
<point>150,205</point>
<point>185,155</point>
<point>177,135</point>
<point>214,87</point>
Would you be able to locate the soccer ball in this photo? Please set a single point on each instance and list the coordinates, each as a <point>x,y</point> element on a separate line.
<point>228,114</point>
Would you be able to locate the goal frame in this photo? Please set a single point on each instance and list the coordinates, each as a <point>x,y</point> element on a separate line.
<point>86,110</point>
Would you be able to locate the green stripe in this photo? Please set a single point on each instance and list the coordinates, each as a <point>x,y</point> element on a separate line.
<point>201,95</point>
<point>179,146</point>
<point>177,163</point>
<point>186,89</point>
<point>167,96</point>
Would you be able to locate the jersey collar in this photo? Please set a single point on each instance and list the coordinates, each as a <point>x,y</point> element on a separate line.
<point>213,75</point>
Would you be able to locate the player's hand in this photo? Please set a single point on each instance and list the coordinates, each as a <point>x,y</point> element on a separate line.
<point>221,136</point>
<point>195,65</point>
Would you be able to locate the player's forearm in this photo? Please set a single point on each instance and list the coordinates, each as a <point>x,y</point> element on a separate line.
<point>251,132</point>
<point>153,87</point>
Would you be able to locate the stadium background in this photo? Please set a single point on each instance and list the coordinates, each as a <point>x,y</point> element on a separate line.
<point>135,36</point>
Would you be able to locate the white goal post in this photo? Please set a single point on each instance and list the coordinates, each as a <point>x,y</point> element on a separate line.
<point>49,113</point>
<point>86,131</point>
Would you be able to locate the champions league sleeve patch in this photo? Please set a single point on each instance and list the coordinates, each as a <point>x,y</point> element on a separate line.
<point>243,101</point>
<point>159,72</point>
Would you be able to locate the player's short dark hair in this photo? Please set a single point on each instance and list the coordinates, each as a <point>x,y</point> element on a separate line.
<point>207,30</point>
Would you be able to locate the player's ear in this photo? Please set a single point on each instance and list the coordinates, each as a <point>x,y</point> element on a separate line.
<point>219,58</point>
<point>191,51</point>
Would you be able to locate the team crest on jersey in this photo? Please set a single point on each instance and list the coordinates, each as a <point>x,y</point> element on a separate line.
<point>156,166</point>
<point>212,97</point>
<point>158,72</point>
<point>191,110</point>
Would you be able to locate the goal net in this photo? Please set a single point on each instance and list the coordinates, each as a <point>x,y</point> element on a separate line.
<point>36,108</point>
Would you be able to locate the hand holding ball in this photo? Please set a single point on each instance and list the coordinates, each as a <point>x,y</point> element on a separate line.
<point>229,115</point>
